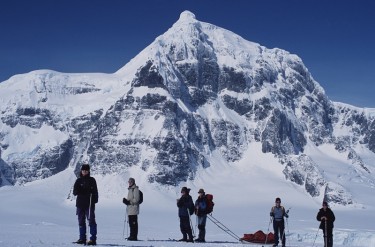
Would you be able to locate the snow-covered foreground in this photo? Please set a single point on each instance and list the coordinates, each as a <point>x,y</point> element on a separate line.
<point>40,213</point>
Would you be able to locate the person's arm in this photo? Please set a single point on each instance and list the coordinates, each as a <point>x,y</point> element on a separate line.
<point>94,191</point>
<point>76,190</point>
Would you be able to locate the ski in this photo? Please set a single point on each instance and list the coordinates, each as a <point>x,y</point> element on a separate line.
<point>258,244</point>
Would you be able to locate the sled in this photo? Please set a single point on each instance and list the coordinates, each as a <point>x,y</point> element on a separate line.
<point>252,243</point>
<point>258,237</point>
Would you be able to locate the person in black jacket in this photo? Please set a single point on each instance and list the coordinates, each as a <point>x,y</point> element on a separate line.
<point>185,209</point>
<point>326,218</point>
<point>87,195</point>
<point>200,211</point>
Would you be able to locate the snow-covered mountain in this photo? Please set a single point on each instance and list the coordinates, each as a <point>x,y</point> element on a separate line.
<point>197,96</point>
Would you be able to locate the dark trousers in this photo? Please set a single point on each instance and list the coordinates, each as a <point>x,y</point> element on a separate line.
<point>279,230</point>
<point>185,227</point>
<point>83,214</point>
<point>133,225</point>
<point>328,237</point>
<point>202,227</point>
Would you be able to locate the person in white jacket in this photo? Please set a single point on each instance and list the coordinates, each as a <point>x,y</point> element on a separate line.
<point>132,202</point>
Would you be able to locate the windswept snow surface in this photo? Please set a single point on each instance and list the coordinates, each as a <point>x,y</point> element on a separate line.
<point>41,213</point>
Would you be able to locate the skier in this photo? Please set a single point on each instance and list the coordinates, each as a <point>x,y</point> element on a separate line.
<point>185,209</point>
<point>87,195</point>
<point>278,213</point>
<point>132,208</point>
<point>200,211</point>
<point>326,218</point>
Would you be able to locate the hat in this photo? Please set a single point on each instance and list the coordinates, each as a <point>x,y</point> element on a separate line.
<point>85,167</point>
<point>201,191</point>
<point>185,189</point>
<point>277,199</point>
<point>132,180</point>
<point>325,203</point>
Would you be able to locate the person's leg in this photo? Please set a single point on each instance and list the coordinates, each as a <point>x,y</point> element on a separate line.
<point>133,225</point>
<point>188,229</point>
<point>282,232</point>
<point>182,229</point>
<point>276,232</point>
<point>325,237</point>
<point>202,227</point>
<point>329,237</point>
<point>81,223</point>
<point>92,224</point>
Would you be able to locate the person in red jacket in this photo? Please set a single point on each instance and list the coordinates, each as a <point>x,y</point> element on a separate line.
<point>326,218</point>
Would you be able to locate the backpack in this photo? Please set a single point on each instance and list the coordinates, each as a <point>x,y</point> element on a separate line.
<point>191,206</point>
<point>140,197</point>
<point>210,203</point>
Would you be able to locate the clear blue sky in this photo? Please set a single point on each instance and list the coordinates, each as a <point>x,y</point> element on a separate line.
<point>334,38</point>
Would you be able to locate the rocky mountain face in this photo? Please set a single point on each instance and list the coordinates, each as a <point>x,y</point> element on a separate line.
<point>196,89</point>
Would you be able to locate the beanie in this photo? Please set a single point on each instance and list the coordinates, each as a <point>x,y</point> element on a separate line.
<point>85,167</point>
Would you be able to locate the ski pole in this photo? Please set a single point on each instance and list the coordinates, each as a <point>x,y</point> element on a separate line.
<point>89,215</point>
<point>125,221</point>
<point>222,226</point>
<point>287,224</point>
<point>196,222</point>
<point>325,233</point>
<point>283,234</point>
<point>269,224</point>
<point>191,223</point>
<point>316,235</point>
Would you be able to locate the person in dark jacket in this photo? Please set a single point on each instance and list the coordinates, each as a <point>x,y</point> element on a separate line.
<point>326,218</point>
<point>200,211</point>
<point>185,209</point>
<point>87,196</point>
<point>278,213</point>
<point>132,208</point>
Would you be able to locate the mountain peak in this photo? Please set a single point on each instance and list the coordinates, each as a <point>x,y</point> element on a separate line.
<point>187,16</point>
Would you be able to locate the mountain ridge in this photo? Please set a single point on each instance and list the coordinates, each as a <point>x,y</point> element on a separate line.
<point>196,89</point>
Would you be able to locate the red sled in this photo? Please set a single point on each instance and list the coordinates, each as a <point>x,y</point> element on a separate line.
<point>258,237</point>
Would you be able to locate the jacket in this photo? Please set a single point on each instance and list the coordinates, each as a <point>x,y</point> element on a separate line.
<point>278,213</point>
<point>86,191</point>
<point>200,206</point>
<point>329,215</point>
<point>133,198</point>
<point>185,206</point>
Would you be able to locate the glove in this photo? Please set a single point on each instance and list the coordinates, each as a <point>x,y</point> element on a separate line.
<point>271,214</point>
<point>286,215</point>
<point>125,201</point>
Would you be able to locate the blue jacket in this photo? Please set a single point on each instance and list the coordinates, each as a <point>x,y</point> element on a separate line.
<point>200,206</point>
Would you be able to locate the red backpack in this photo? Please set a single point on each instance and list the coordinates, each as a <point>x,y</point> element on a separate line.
<point>210,203</point>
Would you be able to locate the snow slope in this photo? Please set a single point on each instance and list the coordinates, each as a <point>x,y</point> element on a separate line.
<point>41,213</point>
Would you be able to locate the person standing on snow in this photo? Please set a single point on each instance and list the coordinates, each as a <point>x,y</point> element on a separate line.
<point>87,195</point>
<point>326,218</point>
<point>185,209</point>
<point>200,211</point>
<point>278,213</point>
<point>132,208</point>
